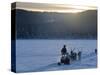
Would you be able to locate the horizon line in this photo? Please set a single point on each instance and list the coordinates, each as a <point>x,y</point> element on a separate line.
<point>46,7</point>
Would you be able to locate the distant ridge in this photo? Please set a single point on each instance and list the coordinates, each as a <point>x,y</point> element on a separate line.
<point>52,25</point>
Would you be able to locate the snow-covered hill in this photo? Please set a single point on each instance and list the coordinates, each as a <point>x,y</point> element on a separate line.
<point>43,55</point>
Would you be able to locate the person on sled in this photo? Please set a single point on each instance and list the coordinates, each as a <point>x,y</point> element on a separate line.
<point>63,51</point>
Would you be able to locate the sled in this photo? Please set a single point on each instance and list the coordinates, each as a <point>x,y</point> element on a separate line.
<point>64,60</point>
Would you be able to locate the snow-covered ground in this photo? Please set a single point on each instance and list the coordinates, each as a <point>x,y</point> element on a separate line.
<point>43,55</point>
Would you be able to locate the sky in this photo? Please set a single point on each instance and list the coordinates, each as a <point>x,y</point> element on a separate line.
<point>54,7</point>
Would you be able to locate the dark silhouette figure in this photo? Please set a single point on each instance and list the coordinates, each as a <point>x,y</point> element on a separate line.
<point>62,59</point>
<point>73,55</point>
<point>79,55</point>
<point>65,56</point>
<point>65,60</point>
<point>95,51</point>
<point>64,50</point>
